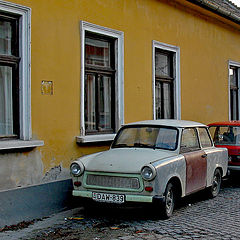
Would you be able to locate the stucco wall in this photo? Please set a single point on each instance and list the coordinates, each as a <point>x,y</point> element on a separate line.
<point>206,44</point>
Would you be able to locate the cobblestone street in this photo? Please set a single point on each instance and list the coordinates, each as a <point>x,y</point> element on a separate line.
<point>195,218</point>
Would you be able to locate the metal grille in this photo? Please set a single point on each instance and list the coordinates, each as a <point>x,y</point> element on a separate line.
<point>113,181</point>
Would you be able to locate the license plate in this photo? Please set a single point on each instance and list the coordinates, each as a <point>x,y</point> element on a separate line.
<point>108,197</point>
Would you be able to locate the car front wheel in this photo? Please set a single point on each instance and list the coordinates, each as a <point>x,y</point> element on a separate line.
<point>169,201</point>
<point>216,184</point>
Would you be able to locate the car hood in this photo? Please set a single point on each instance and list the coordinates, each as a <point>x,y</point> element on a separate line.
<point>123,160</point>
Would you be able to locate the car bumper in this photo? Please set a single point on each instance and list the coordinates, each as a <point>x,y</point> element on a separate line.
<point>128,197</point>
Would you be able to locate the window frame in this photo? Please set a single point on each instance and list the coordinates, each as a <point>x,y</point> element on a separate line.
<point>119,80</point>
<point>188,150</point>
<point>233,64</point>
<point>12,61</point>
<point>199,138</point>
<point>99,72</point>
<point>24,25</point>
<point>175,51</point>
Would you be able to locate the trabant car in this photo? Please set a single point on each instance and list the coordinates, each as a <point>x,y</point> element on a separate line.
<point>227,134</point>
<point>155,161</point>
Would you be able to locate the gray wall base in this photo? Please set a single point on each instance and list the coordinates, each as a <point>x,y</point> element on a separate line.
<point>34,202</point>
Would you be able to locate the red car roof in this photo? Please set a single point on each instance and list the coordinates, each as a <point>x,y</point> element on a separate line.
<point>226,123</point>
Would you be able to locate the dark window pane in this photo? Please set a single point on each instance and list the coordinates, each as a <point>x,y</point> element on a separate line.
<point>189,141</point>
<point>167,100</point>
<point>158,99</point>
<point>204,138</point>
<point>6,101</point>
<point>105,103</point>
<point>162,66</point>
<point>97,52</point>
<point>233,72</point>
<point>90,102</point>
<point>5,37</point>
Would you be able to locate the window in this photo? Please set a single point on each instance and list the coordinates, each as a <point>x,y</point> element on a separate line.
<point>164,84</point>
<point>234,92</point>
<point>101,83</point>
<point>138,136</point>
<point>9,67</point>
<point>15,109</point>
<point>204,137</point>
<point>189,141</point>
<point>225,135</point>
<point>166,81</point>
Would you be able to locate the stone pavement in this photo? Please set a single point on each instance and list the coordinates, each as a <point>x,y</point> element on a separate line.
<point>197,217</point>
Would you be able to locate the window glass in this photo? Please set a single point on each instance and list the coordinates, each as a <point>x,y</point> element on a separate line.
<point>162,66</point>
<point>105,102</point>
<point>234,87</point>
<point>204,138</point>
<point>5,37</point>
<point>99,84</point>
<point>90,102</point>
<point>6,101</point>
<point>225,135</point>
<point>147,137</point>
<point>164,105</point>
<point>97,52</point>
<point>189,141</point>
<point>9,91</point>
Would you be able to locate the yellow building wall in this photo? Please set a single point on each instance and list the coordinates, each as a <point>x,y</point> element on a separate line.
<point>206,44</point>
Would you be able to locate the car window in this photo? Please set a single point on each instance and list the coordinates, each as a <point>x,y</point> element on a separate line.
<point>225,135</point>
<point>147,137</point>
<point>204,137</point>
<point>189,140</point>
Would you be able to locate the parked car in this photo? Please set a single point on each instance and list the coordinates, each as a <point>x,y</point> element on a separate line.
<point>227,134</point>
<point>156,161</point>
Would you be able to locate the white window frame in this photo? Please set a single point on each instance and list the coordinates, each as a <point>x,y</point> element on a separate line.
<point>24,14</point>
<point>119,78</point>
<point>233,64</point>
<point>177,83</point>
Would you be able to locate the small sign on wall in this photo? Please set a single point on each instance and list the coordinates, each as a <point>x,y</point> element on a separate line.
<point>47,88</point>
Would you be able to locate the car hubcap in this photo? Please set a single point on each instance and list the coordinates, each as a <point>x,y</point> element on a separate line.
<point>215,183</point>
<point>169,201</point>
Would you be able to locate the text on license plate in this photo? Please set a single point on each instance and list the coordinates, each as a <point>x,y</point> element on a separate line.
<point>108,197</point>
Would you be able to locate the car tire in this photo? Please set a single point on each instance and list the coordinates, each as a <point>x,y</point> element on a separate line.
<point>216,184</point>
<point>169,201</point>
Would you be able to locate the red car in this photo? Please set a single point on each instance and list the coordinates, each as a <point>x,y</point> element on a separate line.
<point>227,134</point>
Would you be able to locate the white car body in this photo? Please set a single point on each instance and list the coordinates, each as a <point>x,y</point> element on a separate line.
<point>117,172</point>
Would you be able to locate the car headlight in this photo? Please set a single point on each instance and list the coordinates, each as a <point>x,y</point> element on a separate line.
<point>148,173</point>
<point>76,169</point>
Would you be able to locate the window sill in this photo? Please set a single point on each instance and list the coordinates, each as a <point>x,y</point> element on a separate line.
<point>95,138</point>
<point>16,144</point>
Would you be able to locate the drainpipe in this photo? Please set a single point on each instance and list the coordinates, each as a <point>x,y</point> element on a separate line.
<point>216,9</point>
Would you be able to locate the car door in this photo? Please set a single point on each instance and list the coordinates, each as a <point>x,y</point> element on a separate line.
<point>195,158</point>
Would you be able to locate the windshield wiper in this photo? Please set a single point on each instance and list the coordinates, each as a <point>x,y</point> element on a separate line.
<point>120,145</point>
<point>143,145</point>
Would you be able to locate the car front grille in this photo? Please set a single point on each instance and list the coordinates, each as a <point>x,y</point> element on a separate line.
<point>116,182</point>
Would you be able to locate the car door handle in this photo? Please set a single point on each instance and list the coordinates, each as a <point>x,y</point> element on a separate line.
<point>204,155</point>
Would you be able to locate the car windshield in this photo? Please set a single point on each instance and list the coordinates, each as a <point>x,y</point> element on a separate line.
<point>146,137</point>
<point>225,135</point>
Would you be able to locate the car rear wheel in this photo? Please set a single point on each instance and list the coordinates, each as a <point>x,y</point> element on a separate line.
<point>169,201</point>
<point>216,184</point>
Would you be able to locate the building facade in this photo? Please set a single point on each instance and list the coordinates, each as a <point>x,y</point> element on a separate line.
<point>72,72</point>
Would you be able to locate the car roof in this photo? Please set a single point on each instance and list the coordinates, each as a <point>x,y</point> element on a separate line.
<point>168,122</point>
<point>225,123</point>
